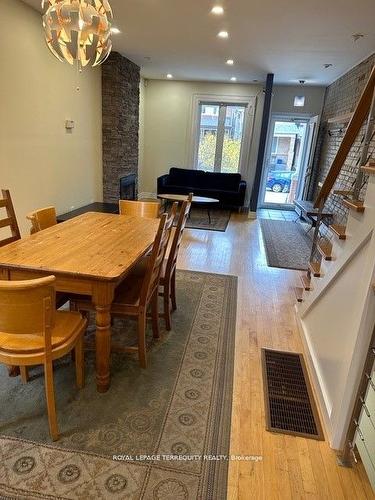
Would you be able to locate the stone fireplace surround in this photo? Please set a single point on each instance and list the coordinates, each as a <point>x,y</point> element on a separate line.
<point>120,110</point>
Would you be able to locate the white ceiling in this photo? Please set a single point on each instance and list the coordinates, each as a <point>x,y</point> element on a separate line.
<point>291,38</point>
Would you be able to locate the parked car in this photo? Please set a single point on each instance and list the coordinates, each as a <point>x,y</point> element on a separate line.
<point>278,181</point>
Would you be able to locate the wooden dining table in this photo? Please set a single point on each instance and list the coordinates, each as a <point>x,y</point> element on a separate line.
<point>89,255</point>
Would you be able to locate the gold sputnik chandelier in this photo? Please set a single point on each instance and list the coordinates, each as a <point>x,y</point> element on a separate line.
<point>78,30</point>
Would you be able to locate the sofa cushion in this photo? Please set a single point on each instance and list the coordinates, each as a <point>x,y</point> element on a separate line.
<point>226,182</point>
<point>185,177</point>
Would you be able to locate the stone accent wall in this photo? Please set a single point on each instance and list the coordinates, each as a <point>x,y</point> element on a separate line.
<point>120,107</point>
<point>341,97</point>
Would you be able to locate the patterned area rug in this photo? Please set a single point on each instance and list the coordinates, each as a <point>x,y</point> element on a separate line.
<point>199,219</point>
<point>286,244</point>
<point>150,435</point>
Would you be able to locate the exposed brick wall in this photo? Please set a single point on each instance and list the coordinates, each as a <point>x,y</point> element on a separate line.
<point>341,97</point>
<point>120,108</point>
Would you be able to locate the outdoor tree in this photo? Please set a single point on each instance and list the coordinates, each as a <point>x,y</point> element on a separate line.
<point>231,153</point>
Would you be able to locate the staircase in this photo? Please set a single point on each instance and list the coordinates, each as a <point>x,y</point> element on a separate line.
<point>335,299</point>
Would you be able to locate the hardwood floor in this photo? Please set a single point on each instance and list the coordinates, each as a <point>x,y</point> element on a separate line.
<point>291,467</point>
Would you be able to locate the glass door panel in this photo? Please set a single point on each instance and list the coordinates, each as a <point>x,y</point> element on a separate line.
<point>208,131</point>
<point>285,161</point>
<point>221,131</point>
<point>233,135</point>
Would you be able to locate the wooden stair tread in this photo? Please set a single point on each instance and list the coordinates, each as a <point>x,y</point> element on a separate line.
<point>298,291</point>
<point>342,192</point>
<point>325,249</point>
<point>369,168</point>
<point>339,230</point>
<point>315,269</point>
<point>306,282</point>
<point>354,205</point>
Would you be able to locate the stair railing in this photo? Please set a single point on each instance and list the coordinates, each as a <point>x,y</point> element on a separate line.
<point>354,127</point>
<point>365,108</point>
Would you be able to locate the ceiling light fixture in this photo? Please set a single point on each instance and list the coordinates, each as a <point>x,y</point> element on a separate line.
<point>230,62</point>
<point>169,76</point>
<point>218,10</point>
<point>223,34</point>
<point>115,31</point>
<point>357,36</point>
<point>233,79</point>
<point>78,30</point>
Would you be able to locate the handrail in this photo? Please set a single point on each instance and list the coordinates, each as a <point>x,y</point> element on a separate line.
<point>350,136</point>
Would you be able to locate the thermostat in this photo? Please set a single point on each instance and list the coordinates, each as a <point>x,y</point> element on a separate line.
<point>69,124</point>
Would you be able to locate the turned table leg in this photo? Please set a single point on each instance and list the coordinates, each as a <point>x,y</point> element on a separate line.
<point>103,300</point>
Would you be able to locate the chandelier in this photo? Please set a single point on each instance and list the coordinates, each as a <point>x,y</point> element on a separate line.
<point>78,30</point>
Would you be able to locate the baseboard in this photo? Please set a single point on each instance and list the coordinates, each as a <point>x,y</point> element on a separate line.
<point>144,195</point>
<point>314,379</point>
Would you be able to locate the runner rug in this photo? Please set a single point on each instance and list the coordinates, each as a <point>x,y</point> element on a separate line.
<point>286,244</point>
<point>156,434</point>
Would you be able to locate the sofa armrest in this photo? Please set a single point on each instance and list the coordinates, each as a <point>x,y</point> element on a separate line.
<point>162,181</point>
<point>242,191</point>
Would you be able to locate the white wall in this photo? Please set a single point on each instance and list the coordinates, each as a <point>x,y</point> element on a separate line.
<point>167,128</point>
<point>40,162</point>
<point>337,319</point>
<point>283,99</point>
<point>167,124</point>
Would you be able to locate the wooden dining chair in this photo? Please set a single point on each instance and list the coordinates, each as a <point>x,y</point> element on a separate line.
<point>168,274</point>
<point>168,270</point>
<point>147,209</point>
<point>10,221</point>
<point>42,219</point>
<point>137,293</point>
<point>33,333</point>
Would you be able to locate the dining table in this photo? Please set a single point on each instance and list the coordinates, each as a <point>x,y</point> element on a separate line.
<point>89,255</point>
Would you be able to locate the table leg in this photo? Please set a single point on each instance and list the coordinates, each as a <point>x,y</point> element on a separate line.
<point>209,215</point>
<point>102,299</point>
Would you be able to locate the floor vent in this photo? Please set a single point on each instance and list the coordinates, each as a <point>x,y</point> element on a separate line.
<point>289,400</point>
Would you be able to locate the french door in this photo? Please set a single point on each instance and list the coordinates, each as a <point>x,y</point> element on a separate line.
<point>220,136</point>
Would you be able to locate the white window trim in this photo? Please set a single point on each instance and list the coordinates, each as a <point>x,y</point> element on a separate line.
<point>250,102</point>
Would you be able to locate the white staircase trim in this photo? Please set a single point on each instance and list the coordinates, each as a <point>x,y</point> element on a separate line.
<point>334,268</point>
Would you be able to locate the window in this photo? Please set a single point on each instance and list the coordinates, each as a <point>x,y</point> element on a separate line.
<point>221,132</point>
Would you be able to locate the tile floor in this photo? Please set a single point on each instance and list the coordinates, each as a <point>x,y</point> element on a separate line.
<point>265,213</point>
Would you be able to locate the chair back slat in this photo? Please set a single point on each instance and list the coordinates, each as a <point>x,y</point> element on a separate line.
<point>10,220</point>
<point>147,209</point>
<point>22,305</point>
<point>151,281</point>
<point>42,219</point>
<point>176,242</point>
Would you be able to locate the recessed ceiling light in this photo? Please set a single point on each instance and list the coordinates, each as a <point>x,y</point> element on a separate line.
<point>230,62</point>
<point>115,31</point>
<point>169,76</point>
<point>223,34</point>
<point>233,79</point>
<point>218,10</point>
